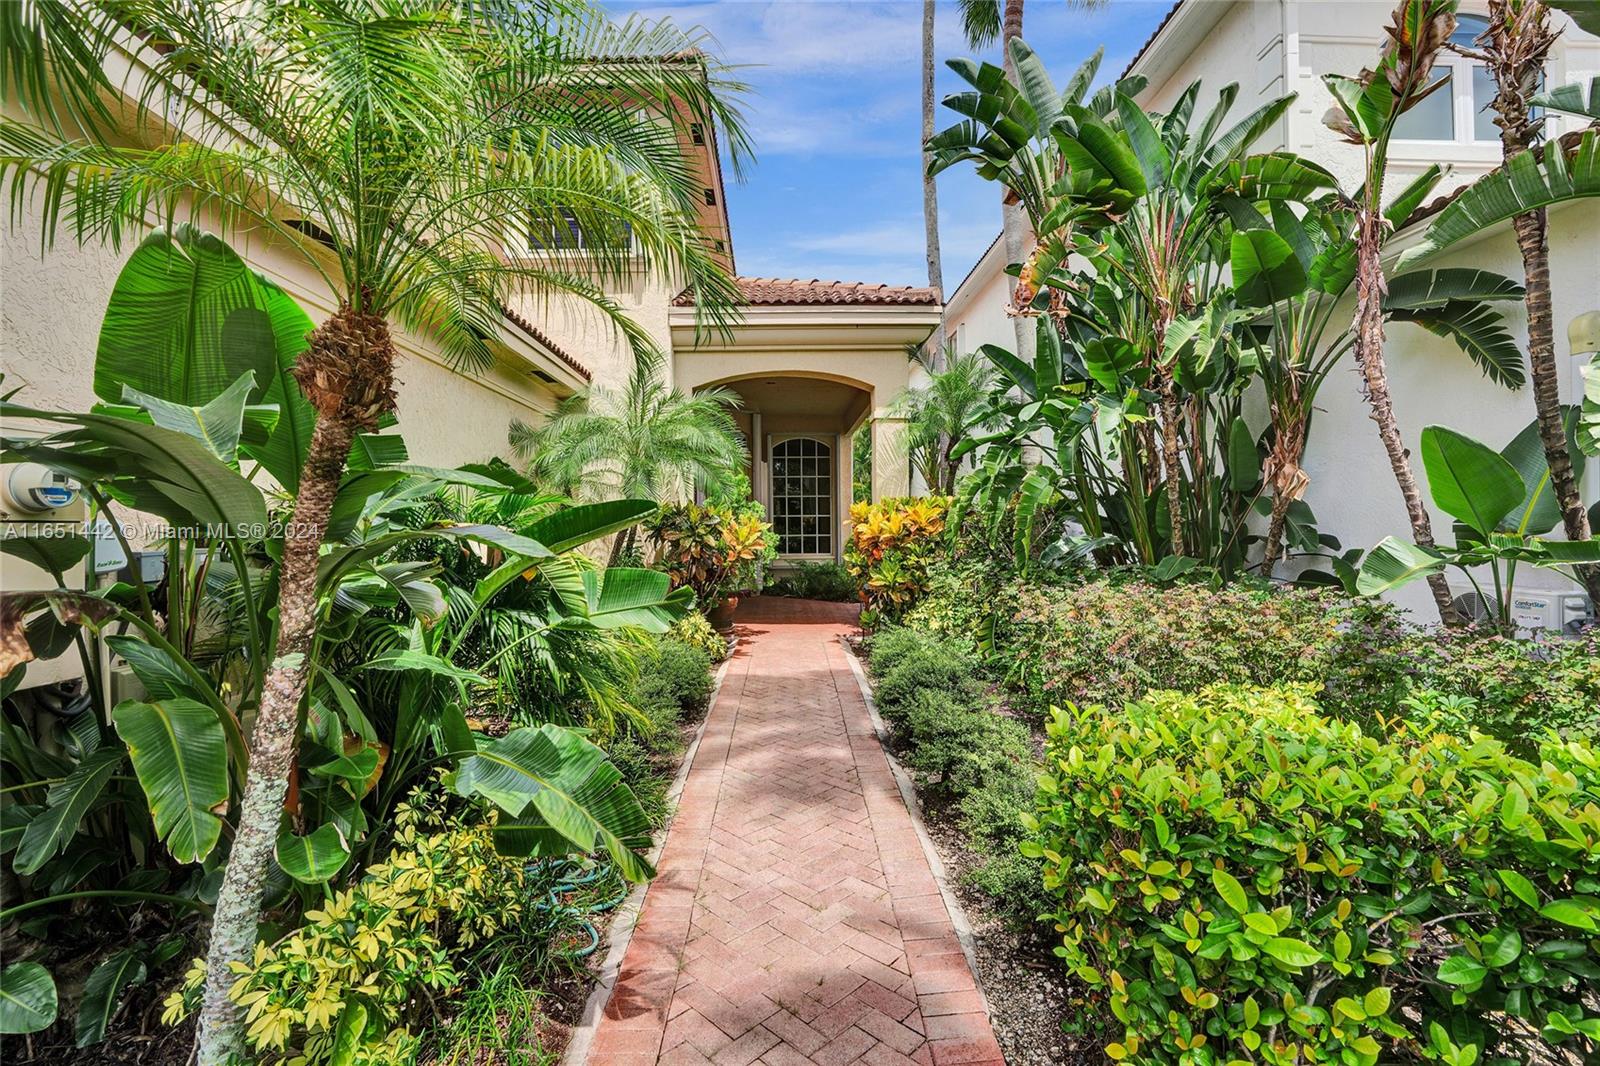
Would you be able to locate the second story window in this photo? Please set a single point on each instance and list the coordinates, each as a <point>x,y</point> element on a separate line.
<point>1458,111</point>
<point>562,232</point>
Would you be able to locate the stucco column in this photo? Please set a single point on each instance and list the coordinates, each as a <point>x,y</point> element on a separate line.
<point>844,446</point>
<point>891,463</point>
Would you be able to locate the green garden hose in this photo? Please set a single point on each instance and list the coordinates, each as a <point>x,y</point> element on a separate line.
<point>578,890</point>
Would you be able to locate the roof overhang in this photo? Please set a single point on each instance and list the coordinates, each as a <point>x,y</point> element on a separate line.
<point>818,327</point>
<point>1176,39</point>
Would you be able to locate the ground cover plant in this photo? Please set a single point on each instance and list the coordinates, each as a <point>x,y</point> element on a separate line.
<point>971,762</point>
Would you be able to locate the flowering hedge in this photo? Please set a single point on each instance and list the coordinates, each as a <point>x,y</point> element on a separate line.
<point>1242,879</point>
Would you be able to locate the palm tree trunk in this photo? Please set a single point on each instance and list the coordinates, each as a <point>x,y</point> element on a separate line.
<point>347,374</point>
<point>1519,42</point>
<point>1370,289</point>
<point>930,189</point>
<point>1014,230</point>
<point>1533,243</point>
<point>1275,526</point>
<point>1172,460</point>
<point>930,212</point>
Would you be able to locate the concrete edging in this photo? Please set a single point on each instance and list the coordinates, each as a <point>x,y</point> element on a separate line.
<point>621,931</point>
<point>908,795</point>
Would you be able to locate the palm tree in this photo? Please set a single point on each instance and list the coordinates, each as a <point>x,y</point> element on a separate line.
<point>389,144</point>
<point>1516,45</point>
<point>930,190</point>
<point>940,414</point>
<point>647,440</point>
<point>1365,111</point>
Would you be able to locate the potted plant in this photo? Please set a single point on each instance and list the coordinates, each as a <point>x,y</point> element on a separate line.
<point>713,551</point>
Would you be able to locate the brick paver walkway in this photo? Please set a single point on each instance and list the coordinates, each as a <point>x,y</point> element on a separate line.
<point>795,919</point>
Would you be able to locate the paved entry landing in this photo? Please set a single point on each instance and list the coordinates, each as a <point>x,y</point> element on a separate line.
<point>795,919</point>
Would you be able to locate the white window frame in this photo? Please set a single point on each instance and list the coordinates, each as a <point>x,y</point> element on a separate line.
<point>830,442</point>
<point>1463,141</point>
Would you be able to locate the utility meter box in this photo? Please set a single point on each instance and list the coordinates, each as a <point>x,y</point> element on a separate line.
<point>38,502</point>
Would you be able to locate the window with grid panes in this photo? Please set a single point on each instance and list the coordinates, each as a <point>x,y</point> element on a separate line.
<point>802,496</point>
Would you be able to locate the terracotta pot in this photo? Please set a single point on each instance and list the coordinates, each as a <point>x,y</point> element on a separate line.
<point>721,616</point>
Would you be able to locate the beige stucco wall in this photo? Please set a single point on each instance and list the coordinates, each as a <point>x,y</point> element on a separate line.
<point>50,310</point>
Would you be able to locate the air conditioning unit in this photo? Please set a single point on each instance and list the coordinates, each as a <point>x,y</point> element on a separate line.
<point>1553,612</point>
<point>1532,610</point>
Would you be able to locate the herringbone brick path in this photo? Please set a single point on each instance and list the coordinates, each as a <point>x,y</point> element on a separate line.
<point>795,919</point>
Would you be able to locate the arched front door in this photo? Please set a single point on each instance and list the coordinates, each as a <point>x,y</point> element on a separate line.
<point>804,496</point>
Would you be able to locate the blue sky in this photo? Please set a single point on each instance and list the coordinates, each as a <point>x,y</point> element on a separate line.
<point>834,112</point>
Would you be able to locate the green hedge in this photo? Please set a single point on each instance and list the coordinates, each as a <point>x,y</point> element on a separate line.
<point>1239,878</point>
<point>967,757</point>
<point>1106,641</point>
<point>1115,639</point>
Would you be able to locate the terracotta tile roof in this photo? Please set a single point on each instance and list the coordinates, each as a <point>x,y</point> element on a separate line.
<point>537,334</point>
<point>781,291</point>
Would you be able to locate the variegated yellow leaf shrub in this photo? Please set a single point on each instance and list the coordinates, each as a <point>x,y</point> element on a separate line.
<point>385,943</point>
<point>1241,879</point>
<point>892,543</point>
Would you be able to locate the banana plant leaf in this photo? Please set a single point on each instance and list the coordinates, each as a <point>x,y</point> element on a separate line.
<point>1570,99</point>
<point>1265,268</point>
<point>102,992</point>
<point>1477,330</point>
<point>563,796</point>
<point>1469,480</point>
<point>315,858</point>
<point>188,317</point>
<point>572,527</point>
<point>152,469</point>
<point>56,555</point>
<point>218,423</point>
<point>180,757</point>
<point>1524,184</point>
<point>623,596</point>
<point>65,805</point>
<point>27,999</point>
<point>1394,563</point>
<point>1586,13</point>
<point>1540,511</point>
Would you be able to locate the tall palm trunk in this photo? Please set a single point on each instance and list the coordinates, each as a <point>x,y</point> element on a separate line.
<point>930,212</point>
<point>1518,43</point>
<point>1015,225</point>
<point>347,374</point>
<point>1370,289</point>
<point>930,189</point>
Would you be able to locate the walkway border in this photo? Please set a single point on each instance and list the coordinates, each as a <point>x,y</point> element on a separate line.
<point>908,794</point>
<point>621,932</point>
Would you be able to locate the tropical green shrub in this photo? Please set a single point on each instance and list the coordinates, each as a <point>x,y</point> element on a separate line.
<point>1110,640</point>
<point>815,581</point>
<point>892,543</point>
<point>966,756</point>
<point>693,629</point>
<point>907,665</point>
<point>715,551</point>
<point>381,948</point>
<point>1519,688</point>
<point>1240,878</point>
<point>674,675</point>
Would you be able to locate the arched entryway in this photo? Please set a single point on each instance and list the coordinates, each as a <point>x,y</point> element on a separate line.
<point>801,430</point>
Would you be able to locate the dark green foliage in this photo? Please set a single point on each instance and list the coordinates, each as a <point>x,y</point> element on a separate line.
<point>968,758</point>
<point>1520,688</point>
<point>673,674</point>
<point>816,581</point>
